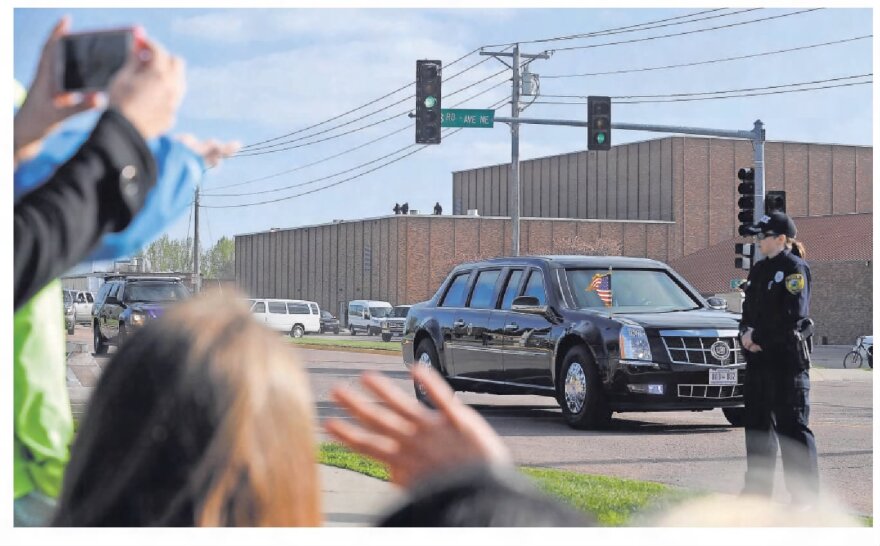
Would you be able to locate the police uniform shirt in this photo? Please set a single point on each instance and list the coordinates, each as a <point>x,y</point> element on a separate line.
<point>777,297</point>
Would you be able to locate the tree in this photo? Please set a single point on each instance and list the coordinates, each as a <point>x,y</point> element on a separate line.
<point>169,255</point>
<point>218,262</point>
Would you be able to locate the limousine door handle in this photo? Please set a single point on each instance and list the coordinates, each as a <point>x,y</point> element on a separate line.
<point>511,327</point>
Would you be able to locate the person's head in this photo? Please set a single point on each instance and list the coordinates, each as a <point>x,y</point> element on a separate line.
<point>203,418</point>
<point>773,232</point>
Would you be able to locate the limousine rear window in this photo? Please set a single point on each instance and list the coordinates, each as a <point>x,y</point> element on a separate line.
<point>457,291</point>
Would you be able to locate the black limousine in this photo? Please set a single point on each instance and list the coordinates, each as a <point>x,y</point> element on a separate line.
<point>600,334</point>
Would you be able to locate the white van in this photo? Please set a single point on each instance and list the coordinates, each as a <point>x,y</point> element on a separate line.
<point>365,316</point>
<point>296,317</point>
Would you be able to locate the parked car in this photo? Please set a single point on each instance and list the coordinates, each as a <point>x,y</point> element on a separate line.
<point>392,326</point>
<point>69,322</point>
<point>365,316</point>
<point>294,317</point>
<point>599,334</point>
<point>126,303</point>
<point>329,323</point>
<point>83,303</point>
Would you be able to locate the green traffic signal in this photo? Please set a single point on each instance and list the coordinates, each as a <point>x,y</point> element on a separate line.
<point>430,102</point>
<point>600,138</point>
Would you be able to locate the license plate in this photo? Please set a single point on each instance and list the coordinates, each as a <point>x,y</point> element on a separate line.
<point>722,377</point>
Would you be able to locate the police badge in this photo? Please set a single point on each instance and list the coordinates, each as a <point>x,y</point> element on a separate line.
<point>794,283</point>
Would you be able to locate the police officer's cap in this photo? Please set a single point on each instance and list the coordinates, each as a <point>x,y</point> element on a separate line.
<point>776,223</point>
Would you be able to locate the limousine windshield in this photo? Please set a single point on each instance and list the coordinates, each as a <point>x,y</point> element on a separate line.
<point>628,291</point>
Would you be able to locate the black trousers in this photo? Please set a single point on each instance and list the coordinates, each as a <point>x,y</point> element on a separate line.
<point>777,413</point>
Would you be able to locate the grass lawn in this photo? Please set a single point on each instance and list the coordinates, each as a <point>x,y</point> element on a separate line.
<point>390,346</point>
<point>611,500</point>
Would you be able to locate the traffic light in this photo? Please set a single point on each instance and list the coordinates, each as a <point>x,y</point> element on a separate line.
<point>428,94</point>
<point>598,123</point>
<point>774,201</point>
<point>745,255</point>
<point>746,189</point>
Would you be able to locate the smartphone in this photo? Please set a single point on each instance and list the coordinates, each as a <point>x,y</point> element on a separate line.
<point>88,60</point>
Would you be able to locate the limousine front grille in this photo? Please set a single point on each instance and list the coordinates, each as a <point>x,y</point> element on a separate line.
<point>685,349</point>
<point>714,392</point>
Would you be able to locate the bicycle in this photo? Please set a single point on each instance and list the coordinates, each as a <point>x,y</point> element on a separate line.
<point>863,350</point>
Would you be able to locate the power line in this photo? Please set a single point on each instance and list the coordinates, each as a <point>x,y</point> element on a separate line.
<point>361,128</point>
<point>720,92</point>
<point>631,28</point>
<point>684,33</point>
<point>355,109</point>
<point>696,97</point>
<point>611,30</point>
<point>327,177</point>
<point>749,94</point>
<point>710,61</point>
<point>360,118</point>
<point>344,152</point>
<point>419,149</point>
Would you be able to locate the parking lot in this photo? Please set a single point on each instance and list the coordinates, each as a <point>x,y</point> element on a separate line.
<point>686,449</point>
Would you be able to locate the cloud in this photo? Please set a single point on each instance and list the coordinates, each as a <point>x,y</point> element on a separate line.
<point>304,85</point>
<point>262,25</point>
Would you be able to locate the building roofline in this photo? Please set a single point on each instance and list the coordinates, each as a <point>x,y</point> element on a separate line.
<point>459,217</point>
<point>668,137</point>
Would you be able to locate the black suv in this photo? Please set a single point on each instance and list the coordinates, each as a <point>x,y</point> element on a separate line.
<point>329,323</point>
<point>600,334</point>
<point>126,303</point>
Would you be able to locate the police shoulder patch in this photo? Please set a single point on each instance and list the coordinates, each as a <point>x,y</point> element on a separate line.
<point>794,283</point>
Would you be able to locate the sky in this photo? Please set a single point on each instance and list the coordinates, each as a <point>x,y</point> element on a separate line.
<point>257,74</point>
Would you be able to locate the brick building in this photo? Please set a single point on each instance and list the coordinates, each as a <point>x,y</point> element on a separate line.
<point>671,199</point>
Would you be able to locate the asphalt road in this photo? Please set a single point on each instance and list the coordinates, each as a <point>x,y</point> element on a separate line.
<point>696,450</point>
<point>687,449</point>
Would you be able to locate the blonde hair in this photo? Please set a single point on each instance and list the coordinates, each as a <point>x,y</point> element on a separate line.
<point>797,248</point>
<point>205,418</point>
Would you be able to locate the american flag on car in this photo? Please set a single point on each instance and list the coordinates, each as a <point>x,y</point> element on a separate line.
<point>601,285</point>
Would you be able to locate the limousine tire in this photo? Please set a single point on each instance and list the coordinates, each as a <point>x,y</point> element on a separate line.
<point>579,391</point>
<point>297,331</point>
<point>386,337</point>
<point>735,416</point>
<point>426,355</point>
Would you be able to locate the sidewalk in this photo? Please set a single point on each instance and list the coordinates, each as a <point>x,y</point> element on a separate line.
<point>354,500</point>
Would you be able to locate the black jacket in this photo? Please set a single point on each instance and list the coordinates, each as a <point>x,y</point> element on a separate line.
<point>97,191</point>
<point>777,298</point>
<point>482,496</point>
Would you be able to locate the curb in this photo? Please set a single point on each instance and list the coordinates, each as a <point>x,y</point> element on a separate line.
<point>346,349</point>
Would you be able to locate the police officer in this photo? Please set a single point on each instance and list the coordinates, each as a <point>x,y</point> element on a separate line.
<point>774,332</point>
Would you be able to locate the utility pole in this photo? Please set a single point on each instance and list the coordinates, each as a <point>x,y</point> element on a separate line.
<point>197,274</point>
<point>758,145</point>
<point>514,134</point>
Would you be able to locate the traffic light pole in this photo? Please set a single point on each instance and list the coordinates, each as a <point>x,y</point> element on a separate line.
<point>758,145</point>
<point>756,136</point>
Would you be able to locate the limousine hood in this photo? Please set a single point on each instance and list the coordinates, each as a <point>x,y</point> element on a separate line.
<point>698,319</point>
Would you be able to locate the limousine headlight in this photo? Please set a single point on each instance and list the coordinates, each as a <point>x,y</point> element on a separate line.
<point>634,343</point>
<point>138,319</point>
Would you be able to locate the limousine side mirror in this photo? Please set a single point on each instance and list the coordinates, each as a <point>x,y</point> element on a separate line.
<point>718,304</point>
<point>530,305</point>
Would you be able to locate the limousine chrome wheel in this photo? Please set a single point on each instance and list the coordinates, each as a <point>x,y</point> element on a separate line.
<point>424,361</point>
<point>575,387</point>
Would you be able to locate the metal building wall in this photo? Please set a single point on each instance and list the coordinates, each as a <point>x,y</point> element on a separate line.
<point>403,259</point>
